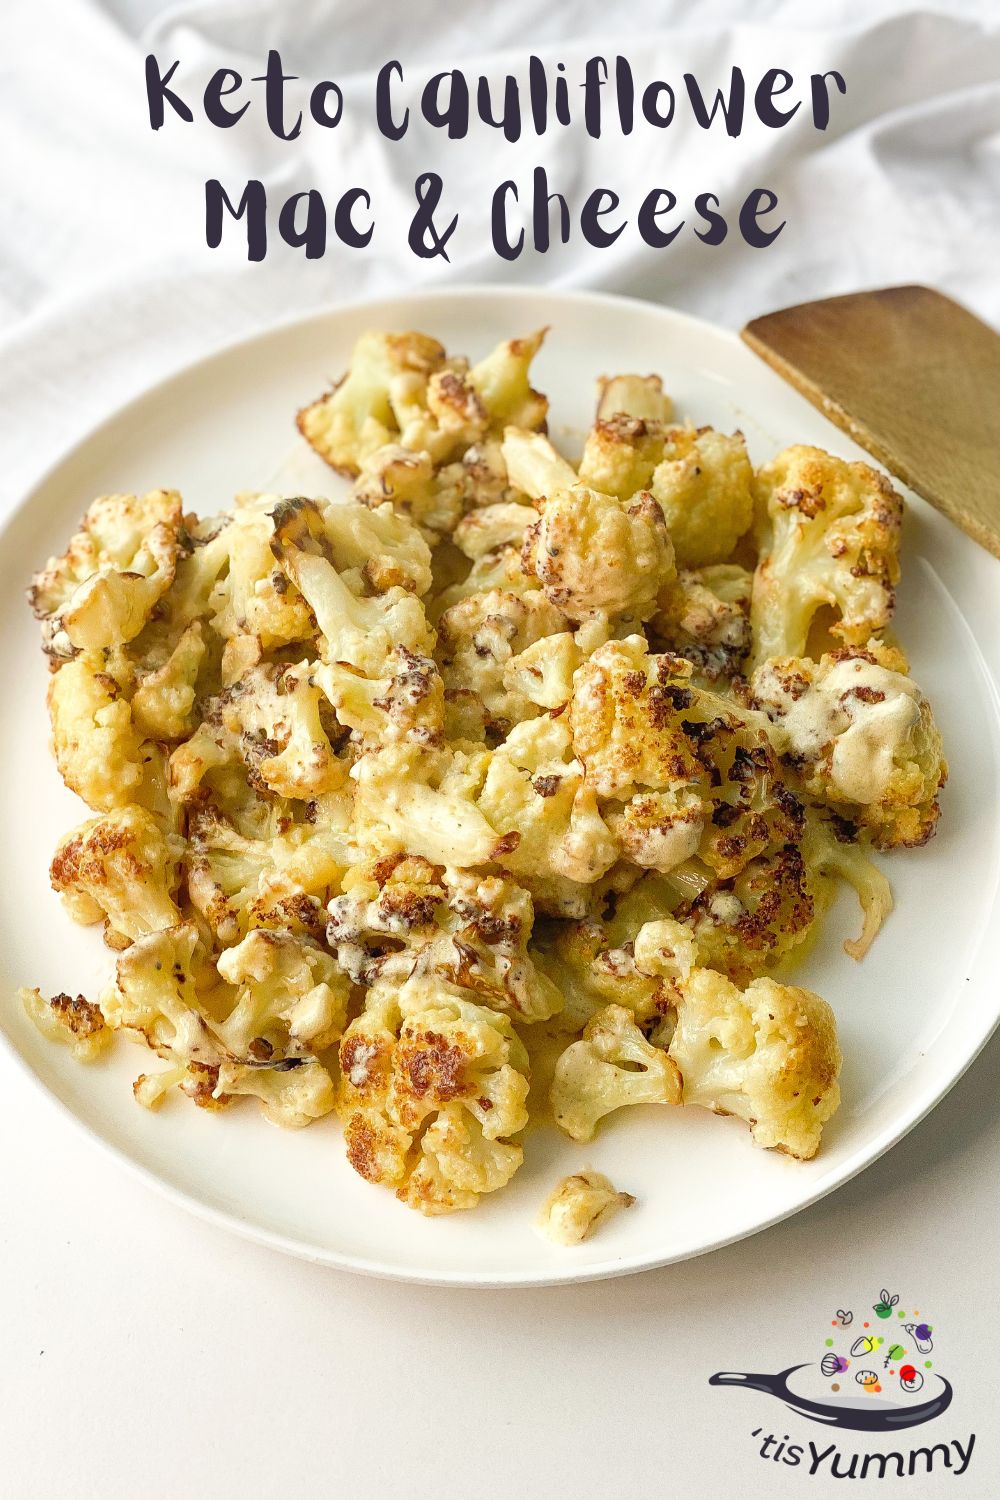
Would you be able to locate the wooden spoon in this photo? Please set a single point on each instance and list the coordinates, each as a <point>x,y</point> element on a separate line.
<point>914,378</point>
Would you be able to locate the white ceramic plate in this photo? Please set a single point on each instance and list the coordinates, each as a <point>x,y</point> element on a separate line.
<point>912,1016</point>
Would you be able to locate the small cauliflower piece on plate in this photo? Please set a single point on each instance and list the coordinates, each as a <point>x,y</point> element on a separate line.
<point>700,478</point>
<point>704,615</point>
<point>74,1023</point>
<point>578,1206</point>
<point>99,751</point>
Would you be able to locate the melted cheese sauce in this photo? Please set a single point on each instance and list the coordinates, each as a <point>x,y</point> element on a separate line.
<point>860,715</point>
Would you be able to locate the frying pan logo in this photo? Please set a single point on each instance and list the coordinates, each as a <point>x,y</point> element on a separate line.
<point>871,1382</point>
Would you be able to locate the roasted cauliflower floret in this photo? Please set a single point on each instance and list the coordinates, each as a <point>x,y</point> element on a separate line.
<point>407,702</point>
<point>432,1088</point>
<point>627,716</point>
<point>704,615</point>
<point>435,498</point>
<point>542,673</point>
<point>121,867</point>
<point>502,382</point>
<point>861,736</point>
<point>237,883</point>
<point>659,830</point>
<point>159,991</point>
<point>291,996</point>
<point>478,638</point>
<point>255,597</point>
<point>163,702</point>
<point>611,1066</point>
<point>119,565</point>
<point>627,961</point>
<point>75,1023</point>
<point>99,751</point>
<point>432,499</point>
<point>746,924</point>
<point>273,713</point>
<point>422,800</point>
<point>700,478</point>
<point>291,1094</point>
<point>401,388</point>
<point>365,410</point>
<point>702,485</point>
<point>467,930</point>
<point>579,1205</point>
<point>768,1054</point>
<point>534,466</point>
<point>639,396</point>
<point>829,537</point>
<point>359,631</point>
<point>167,991</point>
<point>536,798</point>
<point>591,552</point>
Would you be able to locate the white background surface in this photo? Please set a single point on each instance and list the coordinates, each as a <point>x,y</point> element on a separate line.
<point>142,1353</point>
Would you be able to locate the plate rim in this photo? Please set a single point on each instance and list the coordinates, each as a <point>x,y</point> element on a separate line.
<point>854,1165</point>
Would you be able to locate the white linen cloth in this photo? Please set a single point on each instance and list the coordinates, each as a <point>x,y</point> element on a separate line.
<point>145,1353</point>
<point>106,281</point>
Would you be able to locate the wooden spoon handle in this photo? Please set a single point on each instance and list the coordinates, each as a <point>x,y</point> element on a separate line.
<point>911,376</point>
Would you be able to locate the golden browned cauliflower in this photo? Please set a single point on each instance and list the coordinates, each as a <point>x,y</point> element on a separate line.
<point>291,996</point>
<point>579,1205</point>
<point>704,615</point>
<point>402,389</point>
<point>702,485</point>
<point>121,867</point>
<point>612,1065</point>
<point>700,478</point>
<point>74,1023</point>
<point>406,703</point>
<point>459,778</point>
<point>367,408</point>
<point>592,552</point>
<point>163,701</point>
<point>168,992</point>
<point>748,923</point>
<point>254,597</point>
<point>829,538</point>
<point>99,751</point>
<point>639,396</point>
<point>626,960</point>
<point>479,636</point>
<point>861,736</point>
<point>627,717</point>
<point>119,565</point>
<point>236,883</point>
<point>553,838</point>
<point>767,1054</point>
<point>360,631</point>
<point>406,917</point>
<point>432,1089</point>
<point>422,800</point>
<point>273,714</point>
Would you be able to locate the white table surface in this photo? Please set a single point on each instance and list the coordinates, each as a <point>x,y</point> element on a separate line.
<point>145,1354</point>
